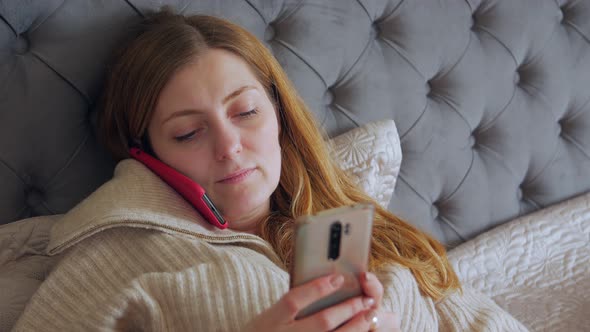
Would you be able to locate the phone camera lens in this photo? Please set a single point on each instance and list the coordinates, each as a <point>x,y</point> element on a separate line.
<point>334,245</point>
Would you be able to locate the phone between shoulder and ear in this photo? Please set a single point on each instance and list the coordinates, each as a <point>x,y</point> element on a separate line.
<point>190,190</point>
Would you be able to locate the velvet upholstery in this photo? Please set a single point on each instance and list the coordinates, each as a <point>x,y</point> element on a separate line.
<point>491,98</point>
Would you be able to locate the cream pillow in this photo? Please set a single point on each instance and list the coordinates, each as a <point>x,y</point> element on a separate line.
<point>372,155</point>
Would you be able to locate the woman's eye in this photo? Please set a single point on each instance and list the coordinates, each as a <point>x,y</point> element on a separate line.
<point>185,137</point>
<point>248,114</point>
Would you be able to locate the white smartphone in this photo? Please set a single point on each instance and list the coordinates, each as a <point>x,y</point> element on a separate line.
<point>333,241</point>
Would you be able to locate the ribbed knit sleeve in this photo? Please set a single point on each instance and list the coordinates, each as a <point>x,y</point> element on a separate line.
<point>473,311</point>
<point>402,296</point>
<point>131,279</point>
<point>469,311</point>
<point>203,298</point>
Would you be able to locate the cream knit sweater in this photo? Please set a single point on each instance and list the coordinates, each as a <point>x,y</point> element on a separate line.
<point>136,256</point>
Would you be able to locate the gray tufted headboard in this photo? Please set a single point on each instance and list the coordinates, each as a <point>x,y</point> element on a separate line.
<point>491,98</point>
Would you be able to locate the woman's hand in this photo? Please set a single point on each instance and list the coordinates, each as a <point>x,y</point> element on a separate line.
<point>355,314</point>
<point>345,316</point>
<point>384,321</point>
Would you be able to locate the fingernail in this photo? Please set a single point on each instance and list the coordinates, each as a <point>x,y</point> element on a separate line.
<point>337,280</point>
<point>369,276</point>
<point>371,317</point>
<point>368,302</point>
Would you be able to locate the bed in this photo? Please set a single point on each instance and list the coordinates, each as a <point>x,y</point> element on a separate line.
<point>489,101</point>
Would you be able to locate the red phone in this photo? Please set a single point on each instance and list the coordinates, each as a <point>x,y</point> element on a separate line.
<point>187,188</point>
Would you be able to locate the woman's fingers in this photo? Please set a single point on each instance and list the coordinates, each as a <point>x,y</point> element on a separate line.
<point>351,314</point>
<point>336,315</point>
<point>361,322</point>
<point>372,320</point>
<point>372,287</point>
<point>300,297</point>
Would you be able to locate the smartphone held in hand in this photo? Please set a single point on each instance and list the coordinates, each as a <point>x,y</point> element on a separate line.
<point>333,241</point>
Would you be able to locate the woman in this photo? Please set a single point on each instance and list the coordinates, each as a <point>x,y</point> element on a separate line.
<point>206,97</point>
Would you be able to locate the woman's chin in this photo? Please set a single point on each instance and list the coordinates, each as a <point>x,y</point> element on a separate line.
<point>245,213</point>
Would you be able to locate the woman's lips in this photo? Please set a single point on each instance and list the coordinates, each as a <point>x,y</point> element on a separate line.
<point>237,177</point>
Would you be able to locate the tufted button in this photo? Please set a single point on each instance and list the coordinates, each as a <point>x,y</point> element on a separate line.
<point>516,78</point>
<point>34,197</point>
<point>559,127</point>
<point>269,33</point>
<point>375,30</point>
<point>560,15</point>
<point>472,141</point>
<point>429,88</point>
<point>434,211</point>
<point>328,97</point>
<point>519,194</point>
<point>21,46</point>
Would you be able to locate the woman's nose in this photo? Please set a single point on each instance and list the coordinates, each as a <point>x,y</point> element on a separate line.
<point>227,143</point>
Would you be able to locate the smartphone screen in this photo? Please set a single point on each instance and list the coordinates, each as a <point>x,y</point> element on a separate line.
<point>186,187</point>
<point>333,241</point>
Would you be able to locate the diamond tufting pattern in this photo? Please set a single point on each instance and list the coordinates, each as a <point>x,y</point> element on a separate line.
<point>490,97</point>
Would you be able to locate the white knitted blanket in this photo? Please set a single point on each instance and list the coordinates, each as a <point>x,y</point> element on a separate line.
<point>536,267</point>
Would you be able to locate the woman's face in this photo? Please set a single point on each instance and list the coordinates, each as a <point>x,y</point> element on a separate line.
<point>214,123</point>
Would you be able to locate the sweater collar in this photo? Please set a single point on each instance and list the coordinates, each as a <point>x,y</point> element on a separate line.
<point>136,197</point>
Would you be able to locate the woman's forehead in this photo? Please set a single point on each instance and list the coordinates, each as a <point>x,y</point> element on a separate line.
<point>214,78</point>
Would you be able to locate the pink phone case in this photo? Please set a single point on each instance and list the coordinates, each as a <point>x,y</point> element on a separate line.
<point>187,188</point>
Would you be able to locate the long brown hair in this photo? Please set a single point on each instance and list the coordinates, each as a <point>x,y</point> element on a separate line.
<point>310,181</point>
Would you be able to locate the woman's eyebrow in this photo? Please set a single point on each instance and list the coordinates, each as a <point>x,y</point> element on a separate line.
<point>225,100</point>
<point>237,92</point>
